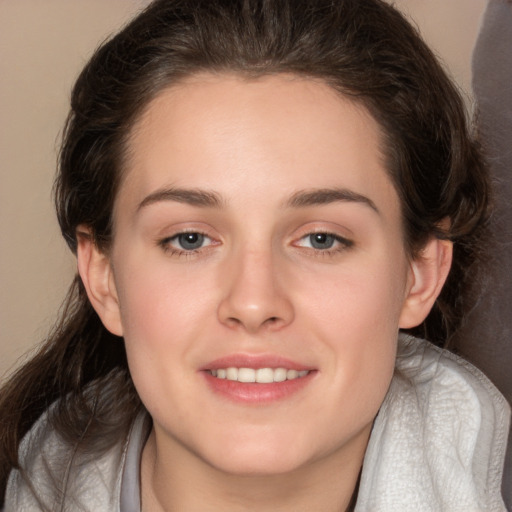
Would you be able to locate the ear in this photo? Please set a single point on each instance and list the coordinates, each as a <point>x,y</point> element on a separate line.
<point>96,272</point>
<point>427,275</point>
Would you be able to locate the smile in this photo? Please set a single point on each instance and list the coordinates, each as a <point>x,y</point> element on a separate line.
<point>260,375</point>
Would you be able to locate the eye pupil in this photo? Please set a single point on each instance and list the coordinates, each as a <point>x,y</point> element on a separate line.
<point>321,240</point>
<point>191,241</point>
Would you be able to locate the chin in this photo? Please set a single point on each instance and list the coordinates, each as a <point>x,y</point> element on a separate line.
<point>260,456</point>
<point>259,466</point>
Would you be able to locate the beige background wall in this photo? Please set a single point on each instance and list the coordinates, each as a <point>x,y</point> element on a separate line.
<point>43,45</point>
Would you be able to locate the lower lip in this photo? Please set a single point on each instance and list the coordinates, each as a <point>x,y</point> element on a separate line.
<point>254,393</point>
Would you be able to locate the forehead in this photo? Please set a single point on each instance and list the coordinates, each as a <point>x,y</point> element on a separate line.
<point>248,137</point>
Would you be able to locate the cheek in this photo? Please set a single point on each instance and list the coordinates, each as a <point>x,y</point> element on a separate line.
<point>355,316</point>
<point>158,303</point>
<point>162,313</point>
<point>364,300</point>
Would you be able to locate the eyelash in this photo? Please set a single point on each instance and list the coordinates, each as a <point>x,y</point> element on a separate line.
<point>341,244</point>
<point>165,244</point>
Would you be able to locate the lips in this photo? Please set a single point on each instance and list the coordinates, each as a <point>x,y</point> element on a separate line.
<point>256,379</point>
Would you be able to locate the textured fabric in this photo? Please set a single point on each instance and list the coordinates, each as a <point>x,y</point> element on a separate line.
<point>437,444</point>
<point>52,471</point>
<point>439,440</point>
<point>130,483</point>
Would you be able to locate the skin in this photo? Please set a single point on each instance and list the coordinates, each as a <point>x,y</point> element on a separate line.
<point>257,285</point>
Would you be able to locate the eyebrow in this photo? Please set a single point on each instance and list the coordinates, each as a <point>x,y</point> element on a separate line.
<point>301,199</point>
<point>328,195</point>
<point>194,197</point>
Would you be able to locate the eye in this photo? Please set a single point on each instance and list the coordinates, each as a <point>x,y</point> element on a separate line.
<point>189,241</point>
<point>186,242</point>
<point>324,242</point>
<point>321,240</point>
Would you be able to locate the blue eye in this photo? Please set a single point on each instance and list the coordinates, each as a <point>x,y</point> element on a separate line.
<point>321,240</point>
<point>190,241</point>
<point>187,241</point>
<point>324,242</point>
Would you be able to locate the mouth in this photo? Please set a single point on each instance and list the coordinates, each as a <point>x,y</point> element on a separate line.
<point>257,379</point>
<point>258,375</point>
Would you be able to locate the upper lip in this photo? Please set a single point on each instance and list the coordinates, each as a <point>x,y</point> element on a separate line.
<point>255,361</point>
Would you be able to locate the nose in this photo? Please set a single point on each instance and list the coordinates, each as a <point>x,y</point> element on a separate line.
<point>254,296</point>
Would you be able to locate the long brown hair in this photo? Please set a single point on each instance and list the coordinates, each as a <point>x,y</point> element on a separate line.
<point>362,48</point>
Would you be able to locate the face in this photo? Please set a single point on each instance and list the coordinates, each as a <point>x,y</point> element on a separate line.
<point>258,237</point>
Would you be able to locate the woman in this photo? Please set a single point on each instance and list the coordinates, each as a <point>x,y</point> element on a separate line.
<point>260,195</point>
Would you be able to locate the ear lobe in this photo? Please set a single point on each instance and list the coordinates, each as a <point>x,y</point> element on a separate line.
<point>427,275</point>
<point>96,273</point>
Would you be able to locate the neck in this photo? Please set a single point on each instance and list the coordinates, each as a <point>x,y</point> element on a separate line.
<point>178,481</point>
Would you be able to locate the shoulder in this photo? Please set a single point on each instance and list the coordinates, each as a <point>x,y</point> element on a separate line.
<point>52,469</point>
<point>439,376</point>
<point>440,438</point>
<point>443,383</point>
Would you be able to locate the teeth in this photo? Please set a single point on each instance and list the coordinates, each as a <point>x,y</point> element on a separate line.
<point>280,374</point>
<point>260,375</point>
<point>246,375</point>
<point>292,374</point>
<point>232,373</point>
<point>264,375</point>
